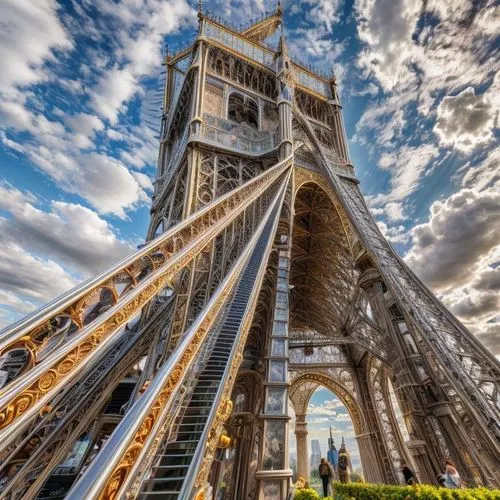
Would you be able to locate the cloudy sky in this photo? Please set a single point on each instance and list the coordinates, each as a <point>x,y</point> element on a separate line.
<point>79,85</point>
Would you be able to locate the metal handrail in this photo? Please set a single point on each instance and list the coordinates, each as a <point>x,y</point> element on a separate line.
<point>21,386</point>
<point>64,301</point>
<point>223,133</point>
<point>96,477</point>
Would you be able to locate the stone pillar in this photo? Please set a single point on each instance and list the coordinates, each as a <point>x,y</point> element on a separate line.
<point>274,473</point>
<point>302,455</point>
<point>343,150</point>
<point>285,117</point>
<point>369,462</point>
<point>414,414</point>
<point>285,83</point>
<point>199,86</point>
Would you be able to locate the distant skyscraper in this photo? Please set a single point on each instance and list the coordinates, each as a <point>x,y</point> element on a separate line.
<point>315,453</point>
<point>332,454</point>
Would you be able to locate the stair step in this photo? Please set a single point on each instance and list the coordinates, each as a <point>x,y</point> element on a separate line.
<point>168,479</point>
<point>175,459</point>
<point>163,495</point>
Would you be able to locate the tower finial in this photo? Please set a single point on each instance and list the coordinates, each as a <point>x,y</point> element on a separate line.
<point>200,7</point>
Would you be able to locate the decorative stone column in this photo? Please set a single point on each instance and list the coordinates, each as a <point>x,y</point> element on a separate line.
<point>302,455</point>
<point>285,84</point>
<point>370,464</point>
<point>274,473</point>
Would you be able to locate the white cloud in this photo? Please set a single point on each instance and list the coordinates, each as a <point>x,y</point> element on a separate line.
<point>30,33</point>
<point>62,145</point>
<point>113,91</point>
<point>462,231</point>
<point>386,27</point>
<point>315,42</point>
<point>84,124</point>
<point>342,417</point>
<point>394,234</point>
<point>45,253</point>
<point>115,135</point>
<point>407,167</point>
<point>85,127</point>
<point>394,211</point>
<point>26,275</point>
<point>12,301</point>
<point>465,120</point>
<point>143,27</point>
<point>101,180</point>
<point>70,234</point>
<point>327,408</point>
<point>323,12</point>
<point>318,420</point>
<point>457,251</point>
<point>143,180</point>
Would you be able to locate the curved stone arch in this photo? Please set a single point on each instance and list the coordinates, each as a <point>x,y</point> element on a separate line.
<point>323,271</point>
<point>355,411</point>
<point>304,176</point>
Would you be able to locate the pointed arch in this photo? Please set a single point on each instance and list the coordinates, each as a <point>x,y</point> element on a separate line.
<point>304,381</point>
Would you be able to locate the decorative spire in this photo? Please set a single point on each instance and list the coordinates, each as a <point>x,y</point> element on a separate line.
<point>200,8</point>
<point>282,48</point>
<point>279,10</point>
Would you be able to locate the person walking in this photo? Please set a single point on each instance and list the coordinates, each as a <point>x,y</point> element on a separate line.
<point>325,473</point>
<point>451,476</point>
<point>408,474</point>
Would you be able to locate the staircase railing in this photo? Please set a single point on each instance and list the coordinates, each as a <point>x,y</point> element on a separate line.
<point>116,465</point>
<point>141,276</point>
<point>199,469</point>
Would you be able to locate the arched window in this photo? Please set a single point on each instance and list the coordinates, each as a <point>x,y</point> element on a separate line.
<point>243,109</point>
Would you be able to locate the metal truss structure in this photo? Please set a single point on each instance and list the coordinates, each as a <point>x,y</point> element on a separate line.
<point>264,277</point>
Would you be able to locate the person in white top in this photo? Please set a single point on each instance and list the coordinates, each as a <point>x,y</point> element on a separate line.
<point>451,476</point>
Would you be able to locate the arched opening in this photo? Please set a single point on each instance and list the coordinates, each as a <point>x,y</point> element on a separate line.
<point>320,422</point>
<point>322,276</point>
<point>243,110</point>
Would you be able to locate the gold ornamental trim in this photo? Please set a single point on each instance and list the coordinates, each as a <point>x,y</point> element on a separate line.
<point>123,469</point>
<point>187,242</point>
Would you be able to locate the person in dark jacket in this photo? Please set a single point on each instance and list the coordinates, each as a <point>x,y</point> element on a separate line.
<point>325,473</point>
<point>408,474</point>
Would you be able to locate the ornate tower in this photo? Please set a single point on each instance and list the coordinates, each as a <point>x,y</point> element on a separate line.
<point>264,277</point>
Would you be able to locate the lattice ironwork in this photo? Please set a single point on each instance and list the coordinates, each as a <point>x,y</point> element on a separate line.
<point>253,155</point>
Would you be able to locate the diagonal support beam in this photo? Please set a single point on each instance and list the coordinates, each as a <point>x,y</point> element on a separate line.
<point>24,397</point>
<point>110,473</point>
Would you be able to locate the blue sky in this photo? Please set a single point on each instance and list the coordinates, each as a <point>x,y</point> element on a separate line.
<point>80,82</point>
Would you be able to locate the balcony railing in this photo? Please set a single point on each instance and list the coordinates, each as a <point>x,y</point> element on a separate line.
<point>338,165</point>
<point>238,43</point>
<point>241,138</point>
<point>312,82</point>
